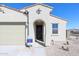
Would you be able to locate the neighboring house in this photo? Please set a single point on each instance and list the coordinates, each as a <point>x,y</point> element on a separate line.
<point>34,22</point>
<point>73,34</point>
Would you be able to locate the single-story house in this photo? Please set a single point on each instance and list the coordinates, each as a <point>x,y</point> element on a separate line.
<point>34,22</point>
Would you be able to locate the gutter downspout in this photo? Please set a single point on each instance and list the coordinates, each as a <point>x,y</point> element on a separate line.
<point>27,14</point>
<point>27,25</point>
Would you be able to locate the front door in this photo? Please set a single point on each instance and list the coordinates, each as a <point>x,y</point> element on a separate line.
<point>39,33</point>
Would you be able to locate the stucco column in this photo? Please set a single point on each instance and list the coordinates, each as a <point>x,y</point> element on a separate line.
<point>48,34</point>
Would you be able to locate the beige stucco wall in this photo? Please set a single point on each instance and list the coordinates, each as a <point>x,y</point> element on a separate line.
<point>48,20</point>
<point>10,15</point>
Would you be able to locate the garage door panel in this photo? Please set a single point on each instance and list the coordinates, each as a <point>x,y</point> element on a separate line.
<point>12,34</point>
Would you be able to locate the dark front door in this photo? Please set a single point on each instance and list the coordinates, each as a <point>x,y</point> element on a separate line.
<point>39,33</point>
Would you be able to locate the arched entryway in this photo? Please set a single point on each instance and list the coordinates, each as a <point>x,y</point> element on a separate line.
<point>39,29</point>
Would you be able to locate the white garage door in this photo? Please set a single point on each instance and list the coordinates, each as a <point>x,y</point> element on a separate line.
<point>12,33</point>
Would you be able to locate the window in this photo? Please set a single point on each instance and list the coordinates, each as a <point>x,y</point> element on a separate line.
<point>55,28</point>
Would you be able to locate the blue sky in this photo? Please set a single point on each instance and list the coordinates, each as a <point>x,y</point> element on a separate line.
<point>68,11</point>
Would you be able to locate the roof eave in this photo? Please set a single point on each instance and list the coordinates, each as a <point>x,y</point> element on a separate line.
<point>37,4</point>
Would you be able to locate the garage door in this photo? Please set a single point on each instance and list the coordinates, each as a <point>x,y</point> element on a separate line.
<point>12,33</point>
